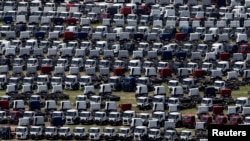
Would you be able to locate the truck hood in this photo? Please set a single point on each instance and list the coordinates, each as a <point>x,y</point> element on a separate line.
<point>33,133</point>
<point>184,137</point>
<point>40,83</point>
<point>49,133</point>
<point>64,134</point>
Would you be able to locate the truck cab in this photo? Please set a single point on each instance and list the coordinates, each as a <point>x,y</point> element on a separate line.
<point>79,133</point>
<point>64,133</point>
<point>22,132</point>
<point>140,133</point>
<point>242,102</point>
<point>51,132</point>
<point>36,132</point>
<point>186,135</point>
<point>95,133</point>
<point>127,117</point>
<point>72,116</point>
<point>218,85</point>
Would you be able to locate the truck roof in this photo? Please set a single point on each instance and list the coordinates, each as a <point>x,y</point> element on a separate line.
<point>187,131</point>
<point>77,127</point>
<point>239,62</point>
<point>64,127</point>
<point>72,110</point>
<point>242,98</point>
<point>21,127</point>
<point>71,76</point>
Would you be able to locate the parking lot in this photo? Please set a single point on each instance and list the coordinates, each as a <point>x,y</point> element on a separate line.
<point>123,70</point>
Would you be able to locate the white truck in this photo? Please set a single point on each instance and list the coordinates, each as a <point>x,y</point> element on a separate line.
<point>36,132</point>
<point>242,102</point>
<point>22,132</point>
<point>127,117</point>
<point>72,116</point>
<point>141,133</point>
<point>95,133</point>
<point>51,132</point>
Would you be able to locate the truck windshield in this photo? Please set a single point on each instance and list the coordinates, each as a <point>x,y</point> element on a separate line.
<point>113,115</point>
<point>46,62</point>
<point>61,62</point>
<point>20,129</point>
<point>123,131</point>
<point>168,133</point>
<point>143,45</point>
<point>17,61</point>
<point>62,130</point>
<point>49,129</point>
<point>126,81</point>
<point>93,130</point>
<point>133,64</point>
<point>69,79</point>
<point>99,115</point>
<point>184,133</point>
<point>80,98</point>
<point>240,102</point>
<point>128,115</point>
<point>2,114</point>
<point>187,118</point>
<point>141,81</point>
<point>204,119</point>
<point>34,129</point>
<point>220,65</point>
<point>171,116</point>
<point>234,119</point>
<point>206,101</point>
<point>205,65</point>
<point>186,82</point>
<point>56,80</point>
<point>172,83</point>
<point>219,119</point>
<point>34,98</point>
<point>156,99</point>
<point>108,130</point>
<point>112,80</point>
<point>247,120</point>
<point>153,132</point>
<point>27,114</point>
<point>140,100</point>
<point>56,114</point>
<point>95,99</point>
<point>84,80</point>
<point>84,114</point>
<point>31,61</point>
<point>172,101</point>
<point>157,46</point>
<point>99,29</point>
<point>89,62</point>
<point>41,79</point>
<point>144,116</point>
<point>13,80</point>
<point>238,66</point>
<point>75,62</point>
<point>147,64</point>
<point>218,84</point>
<point>70,113</point>
<point>79,131</point>
<point>138,130</point>
<point>162,65</point>
<point>157,116</point>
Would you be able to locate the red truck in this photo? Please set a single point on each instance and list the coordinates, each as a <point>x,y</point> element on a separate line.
<point>244,49</point>
<point>4,105</point>
<point>189,121</point>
